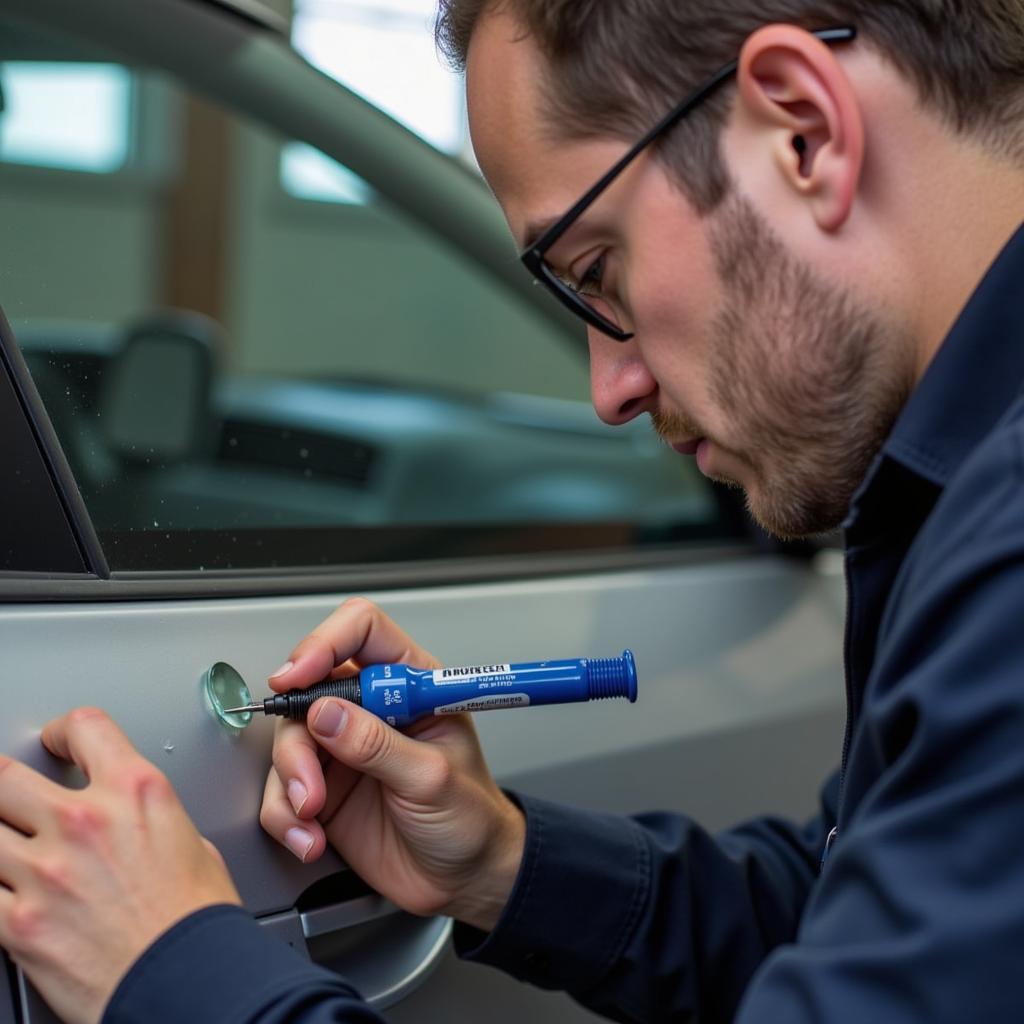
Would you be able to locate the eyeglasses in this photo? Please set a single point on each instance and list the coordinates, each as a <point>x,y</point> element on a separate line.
<point>532,257</point>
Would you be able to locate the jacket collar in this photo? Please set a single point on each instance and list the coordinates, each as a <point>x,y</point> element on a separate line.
<point>972,381</point>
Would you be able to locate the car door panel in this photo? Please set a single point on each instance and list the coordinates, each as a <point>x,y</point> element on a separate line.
<point>712,701</point>
<point>703,656</point>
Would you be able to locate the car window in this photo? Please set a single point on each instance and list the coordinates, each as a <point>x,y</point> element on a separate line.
<point>243,378</point>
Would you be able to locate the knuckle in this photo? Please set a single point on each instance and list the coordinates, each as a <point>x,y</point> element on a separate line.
<point>314,641</point>
<point>287,750</point>
<point>54,873</point>
<point>144,782</point>
<point>275,820</point>
<point>24,923</point>
<point>270,817</point>
<point>360,606</point>
<point>274,823</point>
<point>80,822</point>
<point>84,715</point>
<point>277,754</point>
<point>280,759</point>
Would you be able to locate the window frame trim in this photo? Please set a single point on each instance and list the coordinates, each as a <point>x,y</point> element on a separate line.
<point>35,588</point>
<point>80,526</point>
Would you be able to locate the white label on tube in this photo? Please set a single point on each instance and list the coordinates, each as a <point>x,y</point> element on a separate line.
<point>494,700</point>
<point>469,674</point>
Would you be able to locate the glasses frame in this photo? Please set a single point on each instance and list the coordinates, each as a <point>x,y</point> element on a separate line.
<point>532,256</point>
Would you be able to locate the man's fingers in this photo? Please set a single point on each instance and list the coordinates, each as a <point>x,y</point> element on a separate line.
<point>7,899</point>
<point>90,738</point>
<point>341,780</point>
<point>295,793</point>
<point>25,796</point>
<point>357,630</point>
<point>296,759</point>
<point>14,853</point>
<point>303,837</point>
<point>415,770</point>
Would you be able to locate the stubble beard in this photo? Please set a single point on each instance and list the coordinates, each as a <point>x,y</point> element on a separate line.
<point>809,380</point>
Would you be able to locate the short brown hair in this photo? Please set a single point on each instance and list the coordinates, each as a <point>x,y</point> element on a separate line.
<point>617,65</point>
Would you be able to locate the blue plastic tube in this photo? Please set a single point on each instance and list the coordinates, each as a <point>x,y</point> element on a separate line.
<point>400,694</point>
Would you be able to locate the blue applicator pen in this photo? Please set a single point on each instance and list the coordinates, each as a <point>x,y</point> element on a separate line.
<point>400,694</point>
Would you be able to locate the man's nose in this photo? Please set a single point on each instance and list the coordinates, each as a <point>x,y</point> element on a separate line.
<point>621,386</point>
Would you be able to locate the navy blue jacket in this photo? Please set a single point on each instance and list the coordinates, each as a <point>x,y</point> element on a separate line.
<point>913,910</point>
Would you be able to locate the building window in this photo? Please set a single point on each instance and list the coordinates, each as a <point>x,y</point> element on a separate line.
<point>383,50</point>
<point>75,117</point>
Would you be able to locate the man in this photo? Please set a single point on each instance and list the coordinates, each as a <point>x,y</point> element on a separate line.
<point>809,278</point>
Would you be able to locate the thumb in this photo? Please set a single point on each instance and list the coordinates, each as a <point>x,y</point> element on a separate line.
<point>355,737</point>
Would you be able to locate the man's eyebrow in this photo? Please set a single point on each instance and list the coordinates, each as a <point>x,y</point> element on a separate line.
<point>536,229</point>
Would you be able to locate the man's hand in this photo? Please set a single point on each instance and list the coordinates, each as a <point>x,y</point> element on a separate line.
<point>417,814</point>
<point>90,878</point>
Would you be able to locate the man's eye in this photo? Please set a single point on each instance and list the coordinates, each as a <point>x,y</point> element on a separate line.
<point>590,283</point>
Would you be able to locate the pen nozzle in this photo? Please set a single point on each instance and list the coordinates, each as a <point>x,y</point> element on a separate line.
<point>295,704</point>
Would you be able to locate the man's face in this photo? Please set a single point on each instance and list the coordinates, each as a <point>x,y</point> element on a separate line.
<point>778,380</point>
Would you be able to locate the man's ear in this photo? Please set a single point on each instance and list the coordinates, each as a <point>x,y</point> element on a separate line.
<point>797,94</point>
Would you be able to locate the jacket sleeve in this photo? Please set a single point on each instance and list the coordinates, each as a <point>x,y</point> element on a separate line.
<point>218,965</point>
<point>918,913</point>
<point>651,918</point>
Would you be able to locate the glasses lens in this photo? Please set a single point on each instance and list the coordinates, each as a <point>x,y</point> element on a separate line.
<point>572,299</point>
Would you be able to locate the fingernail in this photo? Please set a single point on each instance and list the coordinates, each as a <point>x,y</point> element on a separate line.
<point>330,719</point>
<point>297,794</point>
<point>283,670</point>
<point>299,841</point>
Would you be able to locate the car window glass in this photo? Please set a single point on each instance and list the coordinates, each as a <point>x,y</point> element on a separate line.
<point>244,379</point>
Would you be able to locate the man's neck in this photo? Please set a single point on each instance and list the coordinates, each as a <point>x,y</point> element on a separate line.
<point>974,207</point>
